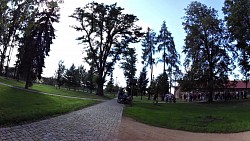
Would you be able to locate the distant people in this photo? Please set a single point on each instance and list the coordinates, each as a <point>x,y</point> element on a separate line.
<point>238,95</point>
<point>190,97</point>
<point>245,95</point>
<point>185,97</point>
<point>241,95</point>
<point>162,97</point>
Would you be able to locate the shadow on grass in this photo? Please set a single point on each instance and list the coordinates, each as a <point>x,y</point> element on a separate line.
<point>18,106</point>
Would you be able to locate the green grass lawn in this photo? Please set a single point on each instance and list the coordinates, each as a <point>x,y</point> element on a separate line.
<point>222,117</point>
<point>53,90</point>
<point>18,106</point>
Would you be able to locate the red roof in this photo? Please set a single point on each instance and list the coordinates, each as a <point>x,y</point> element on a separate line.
<point>238,84</point>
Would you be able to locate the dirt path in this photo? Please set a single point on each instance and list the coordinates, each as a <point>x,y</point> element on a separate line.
<point>130,130</point>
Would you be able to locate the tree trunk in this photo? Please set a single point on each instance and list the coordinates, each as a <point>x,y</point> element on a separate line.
<point>164,60</point>
<point>3,56</point>
<point>211,89</point>
<point>27,80</point>
<point>210,95</point>
<point>28,77</point>
<point>100,89</point>
<point>1,64</point>
<point>100,83</point>
<point>141,94</point>
<point>6,70</point>
<point>149,93</point>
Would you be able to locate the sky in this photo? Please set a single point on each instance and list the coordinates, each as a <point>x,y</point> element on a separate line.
<point>151,13</point>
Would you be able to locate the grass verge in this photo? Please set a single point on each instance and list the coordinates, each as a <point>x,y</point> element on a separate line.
<point>53,90</point>
<point>219,117</point>
<point>18,106</point>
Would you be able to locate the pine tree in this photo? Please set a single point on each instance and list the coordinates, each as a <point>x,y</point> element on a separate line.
<point>129,64</point>
<point>170,56</point>
<point>142,81</point>
<point>60,73</point>
<point>35,44</point>
<point>149,43</point>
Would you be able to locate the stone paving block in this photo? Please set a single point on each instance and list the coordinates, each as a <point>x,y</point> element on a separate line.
<point>96,123</point>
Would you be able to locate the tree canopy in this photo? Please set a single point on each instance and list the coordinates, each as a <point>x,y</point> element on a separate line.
<point>128,64</point>
<point>149,48</point>
<point>106,32</point>
<point>207,57</point>
<point>35,42</point>
<point>237,17</point>
<point>170,56</point>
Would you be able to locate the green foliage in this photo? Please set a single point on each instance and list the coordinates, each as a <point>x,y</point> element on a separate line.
<point>153,87</point>
<point>52,89</point>
<point>106,32</point>
<point>72,79</point>
<point>129,64</point>
<point>142,81</point>
<point>149,43</point>
<point>18,106</point>
<point>35,43</point>
<point>110,86</point>
<point>90,79</point>
<point>237,13</point>
<point>82,75</point>
<point>60,72</point>
<point>194,117</point>
<point>17,23</point>
<point>207,60</point>
<point>170,56</point>
<point>163,83</point>
<point>10,21</point>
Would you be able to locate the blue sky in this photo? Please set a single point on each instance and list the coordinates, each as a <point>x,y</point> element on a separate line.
<point>151,13</point>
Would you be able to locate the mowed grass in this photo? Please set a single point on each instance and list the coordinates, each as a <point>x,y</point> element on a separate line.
<point>53,90</point>
<point>18,106</point>
<point>219,117</point>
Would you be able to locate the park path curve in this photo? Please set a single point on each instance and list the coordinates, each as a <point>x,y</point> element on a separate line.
<point>96,123</point>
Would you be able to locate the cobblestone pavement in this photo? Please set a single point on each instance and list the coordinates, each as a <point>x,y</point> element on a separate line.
<point>96,123</point>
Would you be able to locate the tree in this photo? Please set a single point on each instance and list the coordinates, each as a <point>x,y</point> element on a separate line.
<point>89,79</point>
<point>163,86</point>
<point>11,18</point>
<point>110,85</point>
<point>129,69</point>
<point>72,77</point>
<point>207,55</point>
<point>142,81</point>
<point>15,16</point>
<point>237,13</point>
<point>106,33</point>
<point>36,42</point>
<point>148,51</point>
<point>129,64</point>
<point>153,88</point>
<point>3,26</point>
<point>60,72</point>
<point>170,56</point>
<point>82,74</point>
